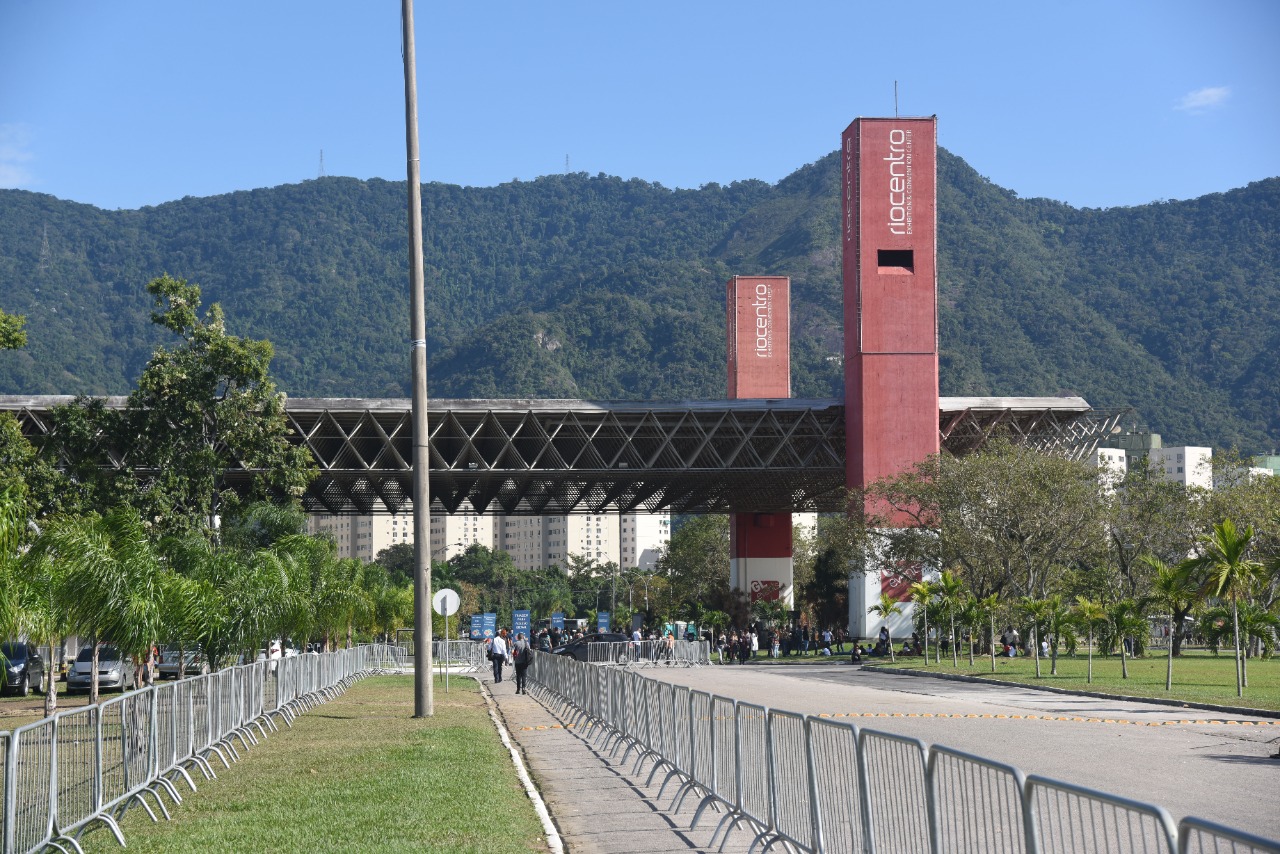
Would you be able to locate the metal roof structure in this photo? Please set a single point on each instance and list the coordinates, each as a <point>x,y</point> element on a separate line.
<point>541,457</point>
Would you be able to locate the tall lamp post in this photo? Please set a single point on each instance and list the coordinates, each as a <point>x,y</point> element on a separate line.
<point>423,695</point>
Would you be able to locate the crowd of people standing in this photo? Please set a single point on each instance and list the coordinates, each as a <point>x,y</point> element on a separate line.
<point>740,646</point>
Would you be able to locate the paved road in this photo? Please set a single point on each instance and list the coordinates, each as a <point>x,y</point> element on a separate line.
<point>1191,762</point>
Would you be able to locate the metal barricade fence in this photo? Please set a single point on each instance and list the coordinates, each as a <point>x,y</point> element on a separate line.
<point>896,790</point>
<point>840,801</point>
<point>977,803</point>
<point>60,775</point>
<point>1197,836</point>
<point>791,780</point>
<point>1063,817</point>
<point>829,786</point>
<point>754,784</point>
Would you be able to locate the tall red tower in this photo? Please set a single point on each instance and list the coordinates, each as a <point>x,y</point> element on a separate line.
<point>890,322</point>
<point>759,339</point>
<point>890,297</point>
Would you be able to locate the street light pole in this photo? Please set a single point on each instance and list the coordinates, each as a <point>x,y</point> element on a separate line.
<point>423,694</point>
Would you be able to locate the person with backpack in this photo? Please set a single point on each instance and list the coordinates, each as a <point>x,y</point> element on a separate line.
<point>523,657</point>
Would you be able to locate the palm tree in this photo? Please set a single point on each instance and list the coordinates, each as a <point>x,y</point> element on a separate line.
<point>1127,621</point>
<point>112,582</point>
<point>989,606</point>
<point>1258,628</point>
<point>1035,610</point>
<point>1174,589</point>
<point>951,592</point>
<point>1228,572</point>
<point>922,593</point>
<point>971,611</point>
<point>884,609</point>
<point>1057,624</point>
<point>1089,614</point>
<point>42,616</point>
<point>12,524</point>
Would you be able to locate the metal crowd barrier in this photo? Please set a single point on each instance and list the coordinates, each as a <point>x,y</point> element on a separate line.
<point>650,653</point>
<point>464,655</point>
<point>62,775</point>
<point>811,784</point>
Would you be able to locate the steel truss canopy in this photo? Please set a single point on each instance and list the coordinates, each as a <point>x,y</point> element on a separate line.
<point>548,457</point>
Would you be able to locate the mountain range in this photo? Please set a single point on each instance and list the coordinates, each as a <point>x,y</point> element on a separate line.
<point>603,288</point>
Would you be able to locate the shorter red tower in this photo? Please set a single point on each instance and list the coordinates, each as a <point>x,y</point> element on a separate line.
<point>759,339</point>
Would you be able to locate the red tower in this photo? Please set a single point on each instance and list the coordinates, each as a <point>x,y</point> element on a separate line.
<point>890,297</point>
<point>759,309</point>
<point>890,322</point>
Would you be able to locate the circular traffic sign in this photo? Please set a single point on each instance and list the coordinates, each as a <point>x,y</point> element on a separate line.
<point>446,602</point>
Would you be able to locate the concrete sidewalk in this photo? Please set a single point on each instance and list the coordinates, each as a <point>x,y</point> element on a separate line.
<point>598,805</point>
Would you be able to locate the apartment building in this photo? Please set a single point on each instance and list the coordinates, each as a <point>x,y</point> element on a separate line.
<point>1185,464</point>
<point>627,539</point>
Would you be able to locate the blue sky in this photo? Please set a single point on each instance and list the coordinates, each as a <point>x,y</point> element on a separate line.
<point>129,103</point>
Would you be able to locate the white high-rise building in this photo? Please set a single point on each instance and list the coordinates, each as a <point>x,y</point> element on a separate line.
<point>1114,463</point>
<point>627,539</point>
<point>1187,465</point>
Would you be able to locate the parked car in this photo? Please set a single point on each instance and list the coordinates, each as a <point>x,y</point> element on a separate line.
<point>114,670</point>
<point>23,667</point>
<point>194,663</point>
<point>578,648</point>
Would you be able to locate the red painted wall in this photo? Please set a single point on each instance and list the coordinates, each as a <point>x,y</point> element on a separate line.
<point>890,297</point>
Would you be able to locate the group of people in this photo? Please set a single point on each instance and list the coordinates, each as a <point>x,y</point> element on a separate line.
<point>502,651</point>
<point>742,646</point>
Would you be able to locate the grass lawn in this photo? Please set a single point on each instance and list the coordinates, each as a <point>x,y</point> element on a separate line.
<point>1198,676</point>
<point>357,774</point>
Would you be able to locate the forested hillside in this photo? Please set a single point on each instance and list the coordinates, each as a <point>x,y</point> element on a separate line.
<point>596,287</point>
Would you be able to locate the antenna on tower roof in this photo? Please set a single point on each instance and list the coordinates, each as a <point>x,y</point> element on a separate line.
<point>321,174</point>
<point>895,99</point>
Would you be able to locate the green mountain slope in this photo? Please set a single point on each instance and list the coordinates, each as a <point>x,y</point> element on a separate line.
<point>596,287</point>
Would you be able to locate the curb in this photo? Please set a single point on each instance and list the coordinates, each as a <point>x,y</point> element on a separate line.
<point>1179,704</point>
<point>539,806</point>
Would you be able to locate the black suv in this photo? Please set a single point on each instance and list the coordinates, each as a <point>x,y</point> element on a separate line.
<point>23,668</point>
<point>578,648</point>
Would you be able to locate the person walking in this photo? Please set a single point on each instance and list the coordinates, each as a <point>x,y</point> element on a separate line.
<point>498,653</point>
<point>522,656</point>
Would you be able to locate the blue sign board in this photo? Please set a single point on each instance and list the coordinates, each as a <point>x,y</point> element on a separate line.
<point>490,626</point>
<point>557,621</point>
<point>477,627</point>
<point>602,621</point>
<point>520,623</point>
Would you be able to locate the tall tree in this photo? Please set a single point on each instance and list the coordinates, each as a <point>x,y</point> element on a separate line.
<point>1007,519</point>
<point>1228,571</point>
<point>696,561</point>
<point>1148,516</point>
<point>12,335</point>
<point>202,409</point>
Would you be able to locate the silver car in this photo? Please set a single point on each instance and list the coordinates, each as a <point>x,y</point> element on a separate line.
<point>114,670</point>
<point>193,663</point>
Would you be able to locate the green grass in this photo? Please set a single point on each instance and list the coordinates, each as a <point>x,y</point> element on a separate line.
<point>357,774</point>
<point>1198,676</point>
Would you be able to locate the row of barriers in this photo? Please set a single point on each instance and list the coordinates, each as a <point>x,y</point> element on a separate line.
<point>650,653</point>
<point>87,766</point>
<point>462,656</point>
<point>811,784</point>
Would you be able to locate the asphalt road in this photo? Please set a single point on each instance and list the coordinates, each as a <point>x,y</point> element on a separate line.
<point>1191,762</point>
